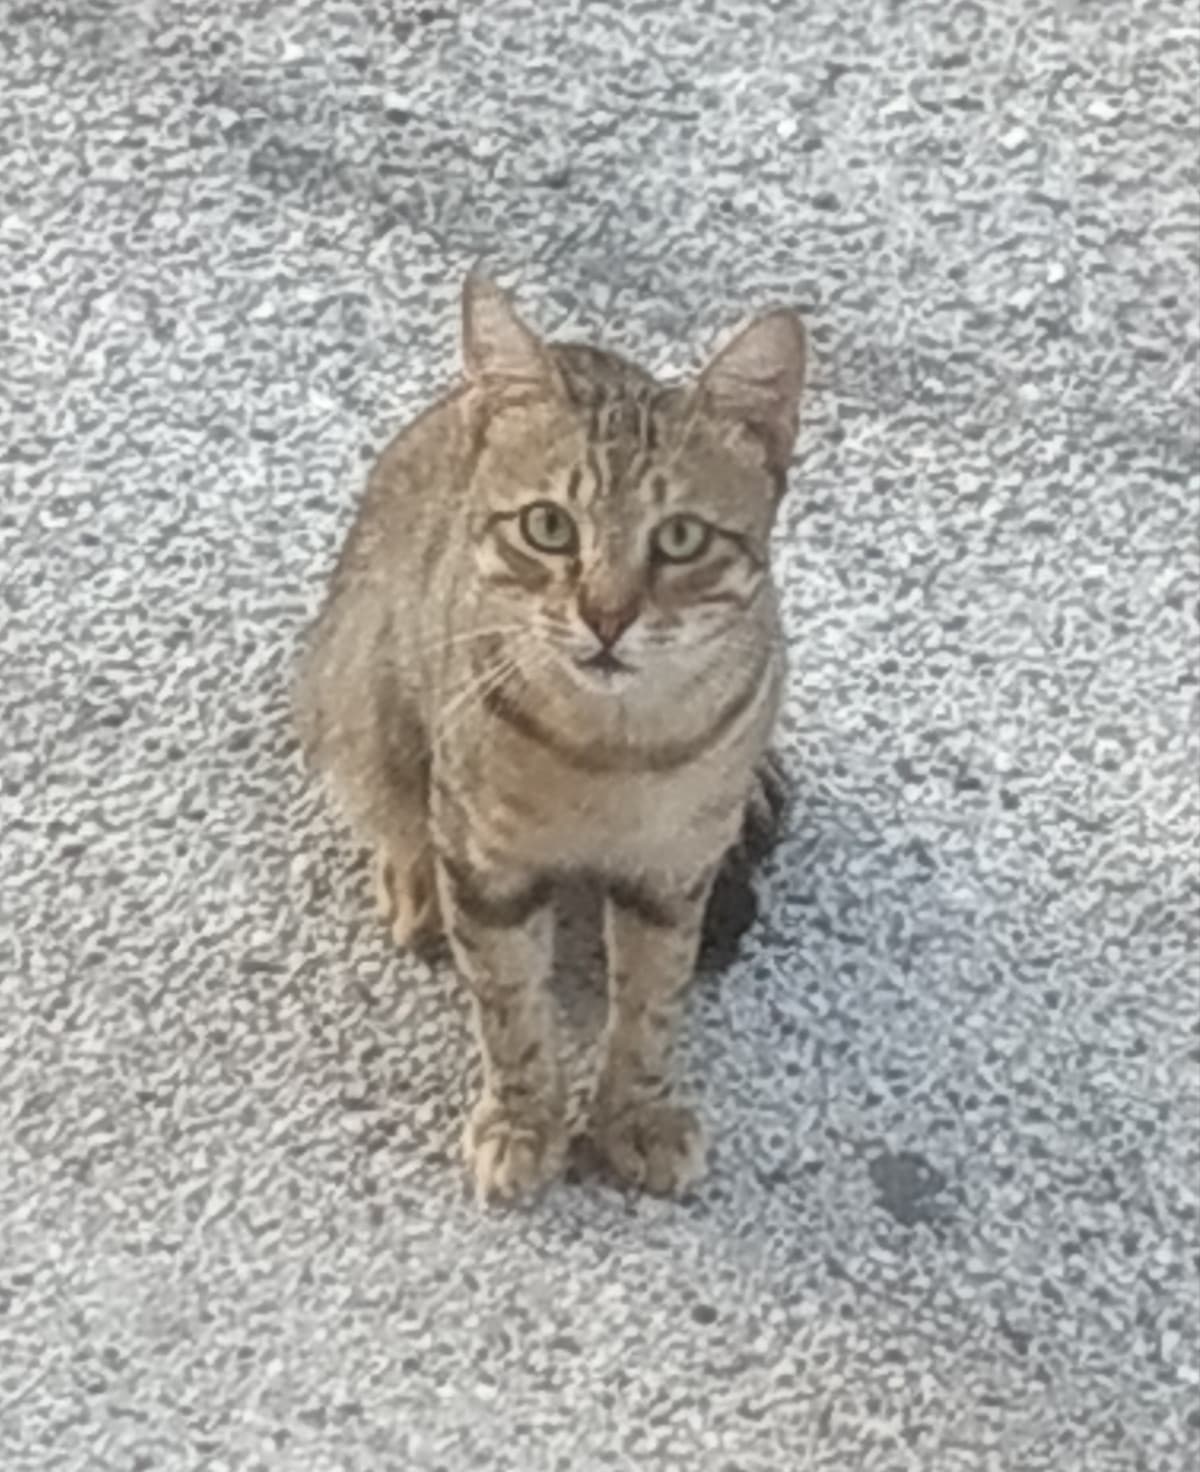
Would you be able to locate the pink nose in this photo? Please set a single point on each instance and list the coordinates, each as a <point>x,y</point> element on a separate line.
<point>606,622</point>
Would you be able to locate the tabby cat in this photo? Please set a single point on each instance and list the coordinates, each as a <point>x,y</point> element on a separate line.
<point>551,648</point>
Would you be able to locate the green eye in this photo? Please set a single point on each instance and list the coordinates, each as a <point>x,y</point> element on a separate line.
<point>548,528</point>
<point>681,538</point>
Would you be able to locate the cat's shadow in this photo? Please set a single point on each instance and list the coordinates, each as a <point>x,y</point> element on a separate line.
<point>383,1077</point>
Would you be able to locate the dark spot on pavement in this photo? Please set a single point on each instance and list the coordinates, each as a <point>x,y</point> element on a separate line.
<point>908,1186</point>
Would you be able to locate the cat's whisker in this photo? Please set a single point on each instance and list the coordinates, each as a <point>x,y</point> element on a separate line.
<point>471,690</point>
<point>484,682</point>
<point>442,641</point>
<point>464,707</point>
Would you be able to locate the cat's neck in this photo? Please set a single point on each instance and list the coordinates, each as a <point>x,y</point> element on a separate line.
<point>665,709</point>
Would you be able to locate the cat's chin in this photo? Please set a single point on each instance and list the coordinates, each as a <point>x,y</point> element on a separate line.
<point>603,674</point>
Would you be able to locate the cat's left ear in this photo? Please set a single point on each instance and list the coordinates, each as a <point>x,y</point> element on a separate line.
<point>758,379</point>
<point>500,353</point>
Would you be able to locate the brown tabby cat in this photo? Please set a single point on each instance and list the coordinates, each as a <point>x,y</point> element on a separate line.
<point>551,648</point>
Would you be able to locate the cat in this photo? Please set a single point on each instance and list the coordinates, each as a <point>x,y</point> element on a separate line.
<point>551,648</point>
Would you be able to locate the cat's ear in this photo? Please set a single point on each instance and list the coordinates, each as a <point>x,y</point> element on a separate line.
<point>757,380</point>
<point>500,353</point>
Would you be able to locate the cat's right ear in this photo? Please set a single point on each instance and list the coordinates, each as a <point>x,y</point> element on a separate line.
<point>758,379</point>
<point>500,353</point>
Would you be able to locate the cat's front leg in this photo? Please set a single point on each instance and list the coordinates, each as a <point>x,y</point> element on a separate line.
<point>646,1134</point>
<point>501,932</point>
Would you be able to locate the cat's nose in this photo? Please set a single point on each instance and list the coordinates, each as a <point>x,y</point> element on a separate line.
<point>608,621</point>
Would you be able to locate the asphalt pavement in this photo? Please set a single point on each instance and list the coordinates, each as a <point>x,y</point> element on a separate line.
<point>953,1075</point>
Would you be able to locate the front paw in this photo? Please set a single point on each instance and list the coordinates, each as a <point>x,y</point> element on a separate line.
<point>658,1147</point>
<point>510,1152</point>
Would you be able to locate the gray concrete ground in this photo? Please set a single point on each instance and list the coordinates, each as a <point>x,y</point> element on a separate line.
<point>952,1218</point>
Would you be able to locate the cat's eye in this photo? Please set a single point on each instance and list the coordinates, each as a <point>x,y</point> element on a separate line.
<point>681,539</point>
<point>548,528</point>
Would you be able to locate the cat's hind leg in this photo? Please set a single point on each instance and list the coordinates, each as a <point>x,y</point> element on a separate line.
<point>405,887</point>
<point>365,735</point>
<point>403,874</point>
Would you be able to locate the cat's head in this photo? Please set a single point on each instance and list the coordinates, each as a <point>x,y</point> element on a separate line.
<point>621,528</point>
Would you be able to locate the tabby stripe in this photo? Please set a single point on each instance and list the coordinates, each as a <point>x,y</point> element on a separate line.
<point>691,581</point>
<point>730,598</point>
<point>600,758</point>
<point>743,545</point>
<point>494,520</point>
<point>651,909</point>
<point>640,466</point>
<point>591,459</point>
<point>496,911</point>
<point>636,899</point>
<point>464,940</point>
<point>527,570</point>
<point>650,427</point>
<point>519,804</point>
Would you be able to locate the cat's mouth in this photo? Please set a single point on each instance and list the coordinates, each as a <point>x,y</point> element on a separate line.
<point>605,664</point>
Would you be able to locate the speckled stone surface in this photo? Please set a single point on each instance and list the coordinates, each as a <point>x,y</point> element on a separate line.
<point>952,1220</point>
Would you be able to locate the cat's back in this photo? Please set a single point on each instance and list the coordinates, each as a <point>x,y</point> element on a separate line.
<point>411,498</point>
<point>425,460</point>
<point>404,527</point>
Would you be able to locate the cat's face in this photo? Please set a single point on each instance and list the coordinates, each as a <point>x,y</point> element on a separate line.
<point>623,556</point>
<point>621,530</point>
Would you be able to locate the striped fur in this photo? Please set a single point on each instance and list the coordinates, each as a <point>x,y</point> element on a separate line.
<point>518,677</point>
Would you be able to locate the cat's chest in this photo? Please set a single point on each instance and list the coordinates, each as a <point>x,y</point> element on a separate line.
<point>593,821</point>
<point>523,807</point>
<point>626,816</point>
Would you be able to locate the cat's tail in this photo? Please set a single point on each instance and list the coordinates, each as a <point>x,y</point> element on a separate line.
<point>733,904</point>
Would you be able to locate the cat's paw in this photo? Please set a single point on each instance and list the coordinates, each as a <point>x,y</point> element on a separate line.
<point>407,898</point>
<point>658,1147</point>
<point>511,1153</point>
